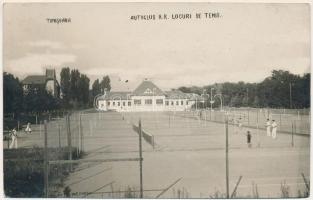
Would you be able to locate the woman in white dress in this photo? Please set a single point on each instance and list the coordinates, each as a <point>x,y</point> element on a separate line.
<point>14,139</point>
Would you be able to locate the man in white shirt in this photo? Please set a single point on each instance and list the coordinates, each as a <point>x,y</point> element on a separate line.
<point>268,127</point>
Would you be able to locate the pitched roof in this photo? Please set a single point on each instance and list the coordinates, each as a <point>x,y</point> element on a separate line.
<point>35,79</point>
<point>116,96</point>
<point>147,88</point>
<point>176,94</point>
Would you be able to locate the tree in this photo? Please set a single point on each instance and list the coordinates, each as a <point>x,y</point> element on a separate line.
<point>83,87</point>
<point>74,89</point>
<point>96,88</point>
<point>12,94</point>
<point>276,91</point>
<point>256,102</point>
<point>37,99</point>
<point>65,86</point>
<point>105,83</point>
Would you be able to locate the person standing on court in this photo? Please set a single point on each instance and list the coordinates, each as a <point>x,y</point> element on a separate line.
<point>240,124</point>
<point>249,139</point>
<point>274,129</point>
<point>14,139</point>
<point>268,127</point>
<point>28,129</point>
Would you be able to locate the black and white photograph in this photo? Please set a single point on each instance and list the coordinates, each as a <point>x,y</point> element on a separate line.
<point>168,100</point>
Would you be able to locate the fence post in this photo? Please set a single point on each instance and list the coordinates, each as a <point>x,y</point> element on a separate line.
<point>40,128</point>
<point>8,141</point>
<point>59,127</point>
<point>18,125</point>
<point>248,116</point>
<point>36,119</point>
<point>140,157</point>
<point>46,172</point>
<point>69,139</point>
<point>226,153</point>
<point>292,130</point>
<point>280,125</point>
<point>169,120</point>
<point>81,133</point>
<point>211,115</point>
<point>257,118</point>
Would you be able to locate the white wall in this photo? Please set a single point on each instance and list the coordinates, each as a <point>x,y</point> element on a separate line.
<point>103,104</point>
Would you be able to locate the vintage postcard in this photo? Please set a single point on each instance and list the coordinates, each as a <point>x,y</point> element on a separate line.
<point>156,100</point>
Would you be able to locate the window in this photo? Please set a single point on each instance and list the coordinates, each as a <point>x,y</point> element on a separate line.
<point>177,103</point>
<point>113,103</point>
<point>148,91</point>
<point>172,103</point>
<point>166,103</point>
<point>102,105</point>
<point>123,103</point>
<point>159,101</point>
<point>108,103</point>
<point>137,101</point>
<point>118,103</point>
<point>148,101</point>
<point>186,102</point>
<point>182,103</point>
<point>129,103</point>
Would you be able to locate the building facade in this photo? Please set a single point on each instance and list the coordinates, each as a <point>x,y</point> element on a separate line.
<point>147,97</point>
<point>47,82</point>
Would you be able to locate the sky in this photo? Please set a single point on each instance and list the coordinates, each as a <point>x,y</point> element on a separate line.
<point>245,43</point>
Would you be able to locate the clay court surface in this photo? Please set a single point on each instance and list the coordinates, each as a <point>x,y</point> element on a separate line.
<point>186,149</point>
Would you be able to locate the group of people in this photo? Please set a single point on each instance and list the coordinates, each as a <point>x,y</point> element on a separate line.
<point>13,135</point>
<point>271,128</point>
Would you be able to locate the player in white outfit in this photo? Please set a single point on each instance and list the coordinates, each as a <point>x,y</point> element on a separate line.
<point>268,127</point>
<point>28,129</point>
<point>274,129</point>
<point>14,139</point>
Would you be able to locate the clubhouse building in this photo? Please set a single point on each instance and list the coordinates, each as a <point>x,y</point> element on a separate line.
<point>147,97</point>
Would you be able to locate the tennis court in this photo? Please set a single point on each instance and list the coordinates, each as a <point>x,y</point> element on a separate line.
<point>188,152</point>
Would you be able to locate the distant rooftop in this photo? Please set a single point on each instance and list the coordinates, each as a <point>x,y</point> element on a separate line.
<point>35,79</point>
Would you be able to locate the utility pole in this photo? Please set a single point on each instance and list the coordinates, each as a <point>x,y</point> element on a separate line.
<point>140,157</point>
<point>212,101</point>
<point>46,163</point>
<point>226,152</point>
